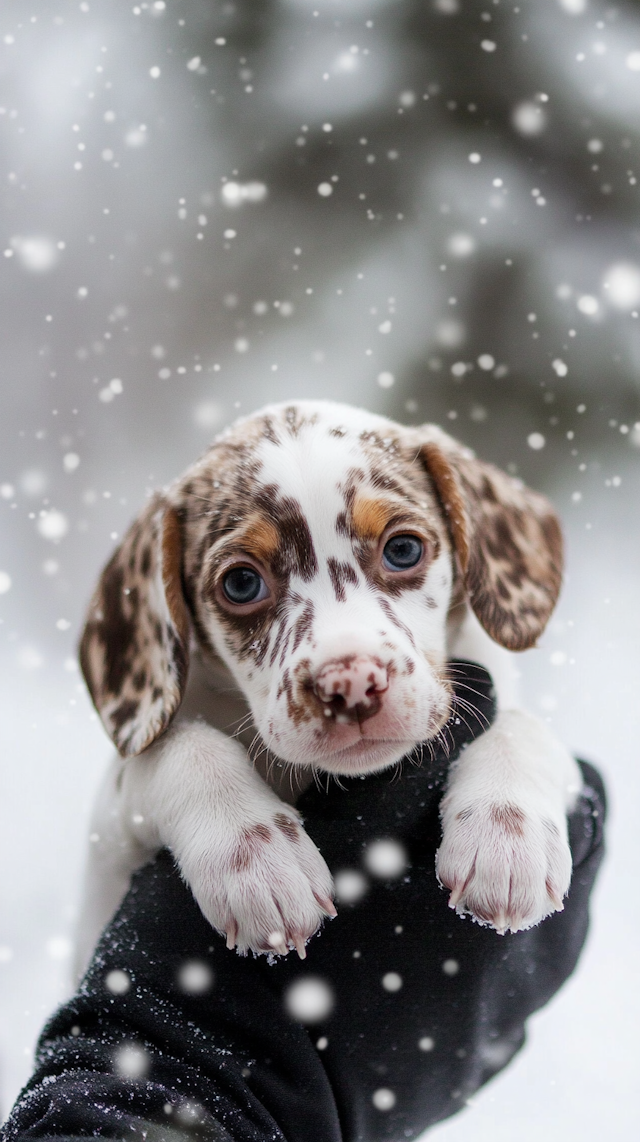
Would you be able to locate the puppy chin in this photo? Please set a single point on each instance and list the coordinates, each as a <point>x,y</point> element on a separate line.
<point>360,754</point>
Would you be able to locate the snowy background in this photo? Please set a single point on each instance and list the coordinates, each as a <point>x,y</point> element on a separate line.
<point>427,208</point>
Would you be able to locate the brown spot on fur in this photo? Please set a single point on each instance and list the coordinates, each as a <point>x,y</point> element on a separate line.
<point>341,574</point>
<point>464,814</point>
<point>343,526</point>
<point>250,847</point>
<point>241,858</point>
<point>385,606</point>
<point>288,827</point>
<point>498,541</point>
<point>384,482</point>
<point>510,818</point>
<point>295,552</point>
<point>116,631</point>
<point>296,420</point>
<point>303,704</point>
<point>124,713</point>
<point>280,637</point>
<point>269,432</point>
<point>303,624</point>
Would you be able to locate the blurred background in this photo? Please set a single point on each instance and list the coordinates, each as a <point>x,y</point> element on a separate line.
<point>425,207</point>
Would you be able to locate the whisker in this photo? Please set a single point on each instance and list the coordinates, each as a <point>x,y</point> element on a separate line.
<point>471,689</point>
<point>473,711</point>
<point>243,724</point>
<point>253,753</point>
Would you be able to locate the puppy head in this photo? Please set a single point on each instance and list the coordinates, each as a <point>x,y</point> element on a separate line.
<point>313,549</point>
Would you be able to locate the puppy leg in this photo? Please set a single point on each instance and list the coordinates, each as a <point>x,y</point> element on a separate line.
<point>256,875</point>
<point>505,853</point>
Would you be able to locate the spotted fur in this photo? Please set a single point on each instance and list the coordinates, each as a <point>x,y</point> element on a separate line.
<point>134,649</point>
<point>508,542</point>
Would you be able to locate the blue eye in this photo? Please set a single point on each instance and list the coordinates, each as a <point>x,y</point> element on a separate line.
<point>402,552</point>
<point>244,585</point>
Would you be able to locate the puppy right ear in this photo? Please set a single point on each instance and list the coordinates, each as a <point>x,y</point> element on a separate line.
<point>134,650</point>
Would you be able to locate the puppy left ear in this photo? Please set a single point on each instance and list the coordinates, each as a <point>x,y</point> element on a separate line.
<point>507,540</point>
<point>135,644</point>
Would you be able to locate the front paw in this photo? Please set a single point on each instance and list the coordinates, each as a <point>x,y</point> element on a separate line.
<point>507,867</point>
<point>265,887</point>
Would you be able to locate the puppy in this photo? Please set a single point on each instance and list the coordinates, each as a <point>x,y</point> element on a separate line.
<point>288,606</point>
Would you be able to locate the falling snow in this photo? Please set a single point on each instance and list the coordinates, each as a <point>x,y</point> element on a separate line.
<point>117,982</point>
<point>310,1000</point>
<point>215,213</point>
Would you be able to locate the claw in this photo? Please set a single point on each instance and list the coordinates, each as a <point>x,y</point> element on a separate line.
<point>326,904</point>
<point>232,934</point>
<point>298,944</point>
<point>277,941</point>
<point>456,896</point>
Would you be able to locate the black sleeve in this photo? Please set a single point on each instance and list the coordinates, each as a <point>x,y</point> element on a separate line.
<point>172,1037</point>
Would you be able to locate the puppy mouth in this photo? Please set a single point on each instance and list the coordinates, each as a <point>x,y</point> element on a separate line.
<point>366,754</point>
<point>366,744</point>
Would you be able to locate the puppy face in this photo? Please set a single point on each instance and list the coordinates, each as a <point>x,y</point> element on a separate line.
<point>322,577</point>
<point>314,549</point>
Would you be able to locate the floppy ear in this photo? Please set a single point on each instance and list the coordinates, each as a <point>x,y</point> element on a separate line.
<point>507,539</point>
<point>134,649</point>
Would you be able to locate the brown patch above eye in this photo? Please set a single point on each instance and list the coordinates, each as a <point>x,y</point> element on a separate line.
<point>260,538</point>
<point>370,517</point>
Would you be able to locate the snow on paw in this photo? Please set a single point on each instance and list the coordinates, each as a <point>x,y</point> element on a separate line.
<point>505,866</point>
<point>269,889</point>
